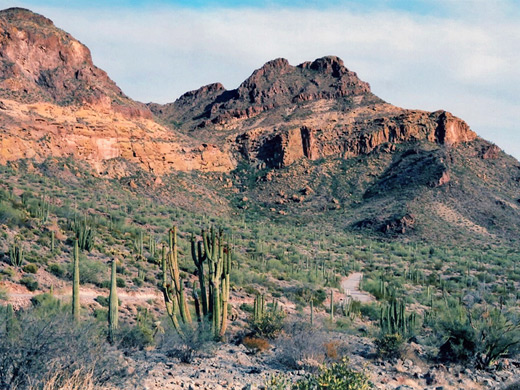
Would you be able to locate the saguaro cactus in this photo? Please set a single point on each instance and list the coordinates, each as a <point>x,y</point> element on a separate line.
<point>75,283</point>
<point>331,305</point>
<point>113,304</point>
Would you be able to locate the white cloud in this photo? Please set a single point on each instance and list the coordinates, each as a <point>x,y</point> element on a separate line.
<point>467,61</point>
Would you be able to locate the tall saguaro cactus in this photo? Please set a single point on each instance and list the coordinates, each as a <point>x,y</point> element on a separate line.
<point>75,283</point>
<point>173,285</point>
<point>218,256</point>
<point>113,304</point>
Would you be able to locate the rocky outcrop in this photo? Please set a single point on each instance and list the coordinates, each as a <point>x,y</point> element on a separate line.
<point>491,152</point>
<point>88,135</point>
<point>39,62</point>
<point>357,136</point>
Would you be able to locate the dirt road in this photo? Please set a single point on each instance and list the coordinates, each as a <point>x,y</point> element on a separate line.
<point>86,296</point>
<point>350,286</point>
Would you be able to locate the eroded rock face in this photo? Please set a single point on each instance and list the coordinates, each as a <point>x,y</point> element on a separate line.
<point>354,136</point>
<point>92,136</point>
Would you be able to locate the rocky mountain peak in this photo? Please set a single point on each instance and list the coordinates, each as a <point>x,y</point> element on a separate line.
<point>40,62</point>
<point>330,64</point>
<point>18,15</point>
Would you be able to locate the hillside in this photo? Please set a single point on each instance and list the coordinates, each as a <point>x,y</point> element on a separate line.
<point>313,222</point>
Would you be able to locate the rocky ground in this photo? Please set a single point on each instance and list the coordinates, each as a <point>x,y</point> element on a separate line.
<point>235,368</point>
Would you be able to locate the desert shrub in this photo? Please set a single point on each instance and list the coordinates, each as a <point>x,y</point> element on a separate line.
<point>277,382</point>
<point>191,343</point>
<point>269,325</point>
<point>10,216</point>
<point>256,344</point>
<point>372,311</point>
<point>3,294</point>
<point>390,346</point>
<point>479,336</point>
<point>460,339</point>
<point>338,376</point>
<point>30,282</point>
<point>45,300</point>
<point>302,346</point>
<point>30,268</point>
<point>134,337</point>
<point>247,307</point>
<point>90,271</point>
<point>120,282</point>
<point>8,271</point>
<point>47,347</point>
<point>56,270</point>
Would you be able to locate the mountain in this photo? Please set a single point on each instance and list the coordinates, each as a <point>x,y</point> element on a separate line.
<point>291,142</point>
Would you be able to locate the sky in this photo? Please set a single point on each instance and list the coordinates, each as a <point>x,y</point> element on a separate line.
<point>459,55</point>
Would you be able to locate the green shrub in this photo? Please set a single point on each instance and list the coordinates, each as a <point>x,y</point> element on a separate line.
<point>8,271</point>
<point>269,325</point>
<point>30,268</point>
<point>372,311</point>
<point>338,376</point>
<point>30,282</point>
<point>56,270</point>
<point>135,337</point>
<point>390,346</point>
<point>120,282</point>
<point>90,271</point>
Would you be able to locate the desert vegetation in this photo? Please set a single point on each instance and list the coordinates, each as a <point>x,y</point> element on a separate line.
<point>220,278</point>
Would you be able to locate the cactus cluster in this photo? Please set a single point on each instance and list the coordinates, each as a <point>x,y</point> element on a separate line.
<point>214,297</point>
<point>139,245</point>
<point>84,233</point>
<point>16,255</point>
<point>259,307</point>
<point>212,257</point>
<point>394,319</point>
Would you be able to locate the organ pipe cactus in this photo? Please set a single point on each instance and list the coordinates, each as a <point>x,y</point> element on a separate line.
<point>9,320</point>
<point>218,256</point>
<point>16,255</point>
<point>113,304</point>
<point>173,286</point>
<point>259,307</point>
<point>394,319</point>
<point>212,257</point>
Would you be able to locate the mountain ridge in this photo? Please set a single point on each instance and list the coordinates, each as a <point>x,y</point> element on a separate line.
<point>289,139</point>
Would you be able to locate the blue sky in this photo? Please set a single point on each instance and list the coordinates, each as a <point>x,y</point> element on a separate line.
<point>458,55</point>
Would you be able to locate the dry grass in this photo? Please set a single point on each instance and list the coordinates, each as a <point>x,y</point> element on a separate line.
<point>256,344</point>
